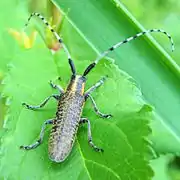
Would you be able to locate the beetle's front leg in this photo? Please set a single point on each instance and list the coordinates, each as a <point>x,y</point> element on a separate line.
<point>55,96</point>
<point>90,141</point>
<point>95,86</point>
<point>59,88</point>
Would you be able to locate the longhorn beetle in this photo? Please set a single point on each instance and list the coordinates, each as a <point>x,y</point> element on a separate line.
<point>71,102</point>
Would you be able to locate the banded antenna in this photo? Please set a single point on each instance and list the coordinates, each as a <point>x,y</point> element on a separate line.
<point>102,55</point>
<point>73,69</point>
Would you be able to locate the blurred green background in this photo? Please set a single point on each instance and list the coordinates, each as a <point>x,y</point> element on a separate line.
<point>159,14</point>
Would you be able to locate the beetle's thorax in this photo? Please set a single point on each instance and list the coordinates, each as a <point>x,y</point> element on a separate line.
<point>77,84</point>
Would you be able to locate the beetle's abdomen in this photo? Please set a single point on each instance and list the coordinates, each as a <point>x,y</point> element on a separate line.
<point>64,130</point>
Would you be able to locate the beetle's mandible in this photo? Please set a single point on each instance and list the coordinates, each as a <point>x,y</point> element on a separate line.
<point>71,102</point>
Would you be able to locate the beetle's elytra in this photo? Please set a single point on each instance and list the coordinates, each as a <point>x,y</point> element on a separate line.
<point>71,102</point>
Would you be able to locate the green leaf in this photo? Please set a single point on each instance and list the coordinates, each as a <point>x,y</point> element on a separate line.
<point>160,167</point>
<point>170,141</point>
<point>122,137</point>
<point>104,23</point>
<point>2,110</point>
<point>8,47</point>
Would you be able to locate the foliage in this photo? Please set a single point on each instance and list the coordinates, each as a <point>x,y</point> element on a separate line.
<point>158,13</point>
<point>124,136</point>
<point>144,59</point>
<point>27,81</point>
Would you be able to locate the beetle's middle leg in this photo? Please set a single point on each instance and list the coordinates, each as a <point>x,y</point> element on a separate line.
<point>90,141</point>
<point>55,96</point>
<point>97,110</point>
<point>39,141</point>
<point>87,95</point>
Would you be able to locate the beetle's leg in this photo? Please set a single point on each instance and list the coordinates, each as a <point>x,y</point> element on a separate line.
<point>39,141</point>
<point>97,110</point>
<point>90,141</point>
<point>99,83</point>
<point>56,96</point>
<point>59,88</point>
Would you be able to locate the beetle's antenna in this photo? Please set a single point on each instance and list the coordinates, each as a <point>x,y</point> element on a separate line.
<point>92,65</point>
<point>57,37</point>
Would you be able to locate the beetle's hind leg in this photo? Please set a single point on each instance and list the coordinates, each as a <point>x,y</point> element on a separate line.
<point>55,96</point>
<point>39,141</point>
<point>90,141</point>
